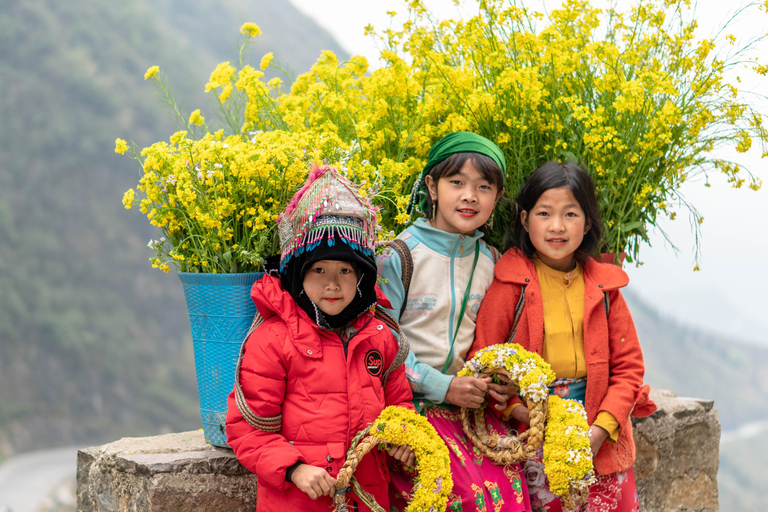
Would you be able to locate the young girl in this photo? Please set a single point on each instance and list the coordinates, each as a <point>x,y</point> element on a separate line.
<point>322,365</point>
<point>451,270</point>
<point>574,315</point>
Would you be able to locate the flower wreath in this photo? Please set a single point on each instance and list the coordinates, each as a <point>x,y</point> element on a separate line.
<point>560,424</point>
<point>401,426</point>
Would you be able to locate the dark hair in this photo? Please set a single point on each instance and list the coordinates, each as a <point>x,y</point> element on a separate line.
<point>487,167</point>
<point>555,175</point>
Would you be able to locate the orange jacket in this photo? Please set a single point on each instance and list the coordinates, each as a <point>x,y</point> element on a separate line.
<point>613,355</point>
<point>326,396</point>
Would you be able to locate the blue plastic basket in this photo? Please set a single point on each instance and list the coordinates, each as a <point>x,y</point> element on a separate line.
<point>220,314</point>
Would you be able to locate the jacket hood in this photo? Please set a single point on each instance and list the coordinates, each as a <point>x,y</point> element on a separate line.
<point>272,301</point>
<point>519,269</point>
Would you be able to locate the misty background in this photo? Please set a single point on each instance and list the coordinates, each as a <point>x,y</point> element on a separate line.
<point>95,345</point>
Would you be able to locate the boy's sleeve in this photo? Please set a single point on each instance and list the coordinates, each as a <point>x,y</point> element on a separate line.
<point>425,381</point>
<point>263,380</point>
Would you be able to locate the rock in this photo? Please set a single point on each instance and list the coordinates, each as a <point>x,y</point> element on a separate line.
<point>678,455</point>
<point>173,472</point>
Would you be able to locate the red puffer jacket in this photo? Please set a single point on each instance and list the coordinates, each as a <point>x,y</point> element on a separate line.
<point>292,367</point>
<point>613,355</point>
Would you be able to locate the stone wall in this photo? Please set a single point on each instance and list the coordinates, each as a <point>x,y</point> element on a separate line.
<point>676,467</point>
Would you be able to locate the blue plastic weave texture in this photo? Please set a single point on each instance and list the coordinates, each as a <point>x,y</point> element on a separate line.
<point>220,313</point>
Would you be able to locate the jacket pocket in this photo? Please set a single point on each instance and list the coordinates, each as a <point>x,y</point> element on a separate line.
<point>329,456</point>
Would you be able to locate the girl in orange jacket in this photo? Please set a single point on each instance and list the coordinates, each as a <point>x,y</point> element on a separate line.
<point>571,312</point>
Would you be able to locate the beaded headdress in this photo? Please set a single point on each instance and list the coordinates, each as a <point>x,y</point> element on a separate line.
<point>327,206</point>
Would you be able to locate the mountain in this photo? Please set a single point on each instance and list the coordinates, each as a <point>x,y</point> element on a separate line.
<point>694,363</point>
<point>731,372</point>
<point>94,344</point>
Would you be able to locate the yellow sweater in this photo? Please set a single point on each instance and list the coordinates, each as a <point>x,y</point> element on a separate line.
<point>563,300</point>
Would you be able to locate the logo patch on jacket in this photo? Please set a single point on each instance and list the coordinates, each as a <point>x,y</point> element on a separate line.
<point>374,362</point>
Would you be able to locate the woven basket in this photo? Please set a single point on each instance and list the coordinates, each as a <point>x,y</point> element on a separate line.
<point>220,313</point>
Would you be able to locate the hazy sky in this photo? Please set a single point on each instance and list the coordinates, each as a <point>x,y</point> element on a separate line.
<point>728,294</point>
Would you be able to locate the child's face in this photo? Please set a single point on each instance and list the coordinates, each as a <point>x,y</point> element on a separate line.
<point>331,285</point>
<point>465,200</point>
<point>556,225</point>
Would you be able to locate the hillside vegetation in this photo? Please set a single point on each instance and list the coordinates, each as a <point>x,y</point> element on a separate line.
<point>93,343</point>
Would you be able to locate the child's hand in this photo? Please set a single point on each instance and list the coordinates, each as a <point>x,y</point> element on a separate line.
<point>596,437</point>
<point>402,453</point>
<point>502,392</point>
<point>313,480</point>
<point>521,414</point>
<point>468,391</point>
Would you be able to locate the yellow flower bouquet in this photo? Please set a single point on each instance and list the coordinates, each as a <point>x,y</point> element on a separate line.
<point>567,454</point>
<point>626,91</point>
<point>401,426</point>
<point>561,425</point>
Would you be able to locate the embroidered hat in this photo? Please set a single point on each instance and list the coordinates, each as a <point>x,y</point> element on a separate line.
<point>328,207</point>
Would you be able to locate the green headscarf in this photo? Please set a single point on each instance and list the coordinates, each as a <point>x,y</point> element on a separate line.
<point>457,142</point>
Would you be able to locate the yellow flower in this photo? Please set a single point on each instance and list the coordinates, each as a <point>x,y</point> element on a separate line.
<point>251,29</point>
<point>152,71</point>
<point>397,425</point>
<point>220,76</point>
<point>128,198</point>
<point>225,92</point>
<point>196,118</point>
<point>120,146</point>
<point>266,60</point>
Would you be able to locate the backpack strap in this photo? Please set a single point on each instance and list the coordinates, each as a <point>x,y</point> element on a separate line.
<point>406,267</point>
<point>518,314</point>
<point>403,345</point>
<point>495,253</point>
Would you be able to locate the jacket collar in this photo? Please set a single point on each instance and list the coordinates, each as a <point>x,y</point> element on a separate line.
<point>516,268</point>
<point>441,241</point>
<point>271,300</point>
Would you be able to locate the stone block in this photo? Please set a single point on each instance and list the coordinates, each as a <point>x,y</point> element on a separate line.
<point>677,456</point>
<point>676,467</point>
<point>168,473</point>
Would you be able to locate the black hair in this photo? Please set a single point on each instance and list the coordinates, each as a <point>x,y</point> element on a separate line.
<point>556,175</point>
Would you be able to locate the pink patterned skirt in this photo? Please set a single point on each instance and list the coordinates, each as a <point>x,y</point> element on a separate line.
<point>478,484</point>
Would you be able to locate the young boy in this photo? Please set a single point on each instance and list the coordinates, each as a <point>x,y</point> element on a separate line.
<point>322,365</point>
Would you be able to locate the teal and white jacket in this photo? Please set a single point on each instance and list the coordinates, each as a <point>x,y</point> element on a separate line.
<point>442,267</point>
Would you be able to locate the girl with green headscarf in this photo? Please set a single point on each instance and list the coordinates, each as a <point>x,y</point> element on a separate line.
<point>452,269</point>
